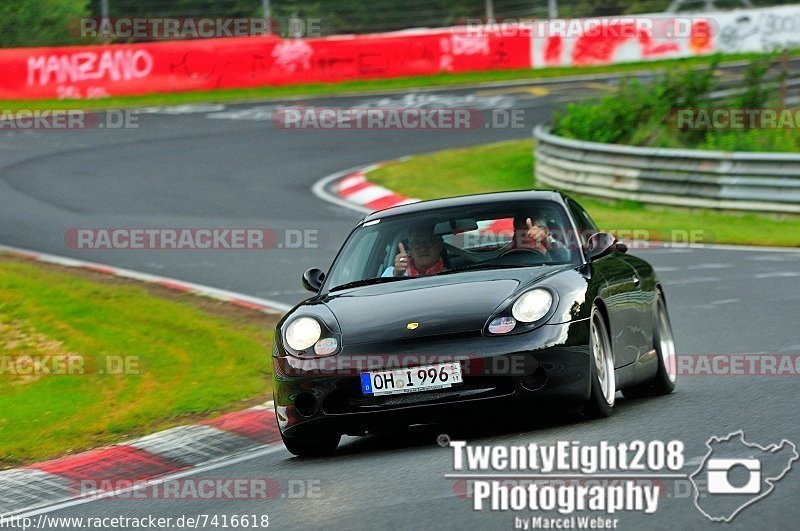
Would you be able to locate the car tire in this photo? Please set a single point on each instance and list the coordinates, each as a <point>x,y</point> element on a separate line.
<point>601,399</point>
<point>663,382</point>
<point>318,446</point>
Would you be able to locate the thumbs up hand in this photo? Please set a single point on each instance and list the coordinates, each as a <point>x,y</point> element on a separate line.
<point>401,261</point>
<point>536,237</point>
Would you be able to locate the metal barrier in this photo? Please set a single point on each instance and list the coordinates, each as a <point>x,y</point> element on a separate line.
<point>765,182</point>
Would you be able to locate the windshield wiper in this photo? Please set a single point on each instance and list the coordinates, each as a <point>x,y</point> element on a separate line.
<point>367,282</point>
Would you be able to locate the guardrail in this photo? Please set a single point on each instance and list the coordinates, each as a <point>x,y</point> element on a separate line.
<point>709,179</point>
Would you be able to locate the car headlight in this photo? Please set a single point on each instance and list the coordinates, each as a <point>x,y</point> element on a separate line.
<point>302,333</point>
<point>532,305</point>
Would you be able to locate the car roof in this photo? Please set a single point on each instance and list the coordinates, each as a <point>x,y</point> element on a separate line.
<point>467,200</point>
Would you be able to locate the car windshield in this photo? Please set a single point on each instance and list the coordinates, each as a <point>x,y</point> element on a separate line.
<point>455,240</point>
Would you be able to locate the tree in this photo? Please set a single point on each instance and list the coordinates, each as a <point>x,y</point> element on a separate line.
<point>40,22</point>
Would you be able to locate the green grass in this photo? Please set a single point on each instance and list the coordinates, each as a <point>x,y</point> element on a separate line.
<point>509,166</point>
<point>193,360</point>
<point>355,87</point>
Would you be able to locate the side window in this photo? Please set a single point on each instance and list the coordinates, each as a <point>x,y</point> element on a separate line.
<point>353,264</point>
<point>586,227</point>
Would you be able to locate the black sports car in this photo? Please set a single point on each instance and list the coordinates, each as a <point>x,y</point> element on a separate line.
<point>433,309</point>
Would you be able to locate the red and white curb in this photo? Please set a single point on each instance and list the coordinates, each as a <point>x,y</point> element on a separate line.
<point>237,299</point>
<point>136,462</point>
<point>353,190</point>
<point>356,189</point>
<point>113,469</point>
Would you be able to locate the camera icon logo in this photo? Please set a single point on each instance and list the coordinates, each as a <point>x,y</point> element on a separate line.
<point>719,472</point>
<point>735,473</point>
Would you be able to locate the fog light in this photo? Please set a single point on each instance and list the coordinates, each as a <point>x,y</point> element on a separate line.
<point>305,404</point>
<point>326,346</point>
<point>502,325</point>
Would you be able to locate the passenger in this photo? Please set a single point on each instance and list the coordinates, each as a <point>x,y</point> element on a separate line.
<point>536,236</point>
<point>425,255</point>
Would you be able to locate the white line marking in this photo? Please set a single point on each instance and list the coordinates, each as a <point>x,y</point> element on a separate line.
<point>694,280</point>
<point>778,274</point>
<point>709,266</point>
<point>666,250</point>
<point>198,289</point>
<point>727,247</point>
<point>769,258</point>
<point>319,190</point>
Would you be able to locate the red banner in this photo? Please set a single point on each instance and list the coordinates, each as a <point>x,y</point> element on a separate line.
<point>129,69</point>
<point>240,62</point>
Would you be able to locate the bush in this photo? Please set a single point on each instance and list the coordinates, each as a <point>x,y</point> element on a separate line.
<point>40,22</point>
<point>644,115</point>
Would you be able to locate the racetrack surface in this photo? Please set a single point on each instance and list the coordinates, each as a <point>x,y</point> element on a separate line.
<point>229,167</point>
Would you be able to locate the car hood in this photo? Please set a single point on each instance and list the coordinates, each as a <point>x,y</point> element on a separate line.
<point>442,304</point>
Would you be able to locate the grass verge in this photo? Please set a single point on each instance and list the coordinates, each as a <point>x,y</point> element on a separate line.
<point>509,166</point>
<point>182,358</point>
<point>360,86</point>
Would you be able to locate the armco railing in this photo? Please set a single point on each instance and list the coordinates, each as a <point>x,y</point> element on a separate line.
<point>766,182</point>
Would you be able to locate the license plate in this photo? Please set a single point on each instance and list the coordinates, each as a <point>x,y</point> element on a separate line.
<point>411,380</point>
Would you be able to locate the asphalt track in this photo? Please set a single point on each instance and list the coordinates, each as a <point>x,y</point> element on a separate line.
<point>193,167</point>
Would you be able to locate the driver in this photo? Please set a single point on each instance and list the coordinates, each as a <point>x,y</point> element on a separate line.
<point>533,233</point>
<point>423,257</point>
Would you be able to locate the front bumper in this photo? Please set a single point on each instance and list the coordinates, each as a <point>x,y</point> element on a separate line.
<point>552,362</point>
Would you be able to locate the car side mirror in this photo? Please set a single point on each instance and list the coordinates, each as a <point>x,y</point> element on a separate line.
<point>313,279</point>
<point>622,248</point>
<point>599,245</point>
